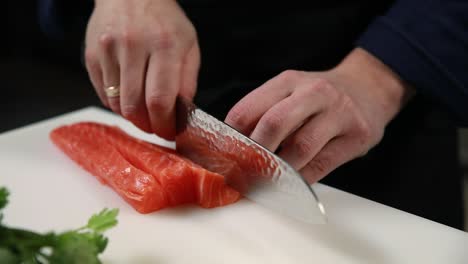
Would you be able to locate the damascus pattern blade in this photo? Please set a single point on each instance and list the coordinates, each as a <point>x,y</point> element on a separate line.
<point>247,166</point>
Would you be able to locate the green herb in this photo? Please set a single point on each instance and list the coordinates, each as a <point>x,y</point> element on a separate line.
<point>3,202</point>
<point>82,245</point>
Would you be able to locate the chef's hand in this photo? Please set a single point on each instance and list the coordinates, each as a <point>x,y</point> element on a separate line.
<point>323,119</point>
<point>149,49</point>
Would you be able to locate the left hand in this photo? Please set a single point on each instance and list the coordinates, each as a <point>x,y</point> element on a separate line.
<point>323,119</point>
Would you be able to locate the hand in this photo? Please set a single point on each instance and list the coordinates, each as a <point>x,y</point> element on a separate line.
<point>149,49</point>
<point>322,119</point>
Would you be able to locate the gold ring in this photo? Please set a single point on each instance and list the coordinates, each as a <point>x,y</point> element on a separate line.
<point>112,91</point>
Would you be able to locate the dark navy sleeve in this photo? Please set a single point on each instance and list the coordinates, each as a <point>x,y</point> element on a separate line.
<point>49,18</point>
<point>59,19</point>
<point>426,43</point>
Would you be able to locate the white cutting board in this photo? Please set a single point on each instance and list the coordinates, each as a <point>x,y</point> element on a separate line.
<point>48,191</point>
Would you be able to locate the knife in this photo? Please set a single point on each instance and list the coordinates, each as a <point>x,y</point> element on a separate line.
<point>248,167</point>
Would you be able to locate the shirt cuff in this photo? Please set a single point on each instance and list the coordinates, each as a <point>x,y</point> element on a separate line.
<point>409,59</point>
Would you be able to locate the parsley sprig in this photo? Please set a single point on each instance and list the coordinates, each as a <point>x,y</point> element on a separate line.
<point>82,245</point>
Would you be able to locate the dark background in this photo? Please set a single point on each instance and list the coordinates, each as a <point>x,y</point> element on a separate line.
<point>39,77</point>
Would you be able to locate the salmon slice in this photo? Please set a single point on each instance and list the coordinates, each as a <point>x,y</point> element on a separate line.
<point>242,164</point>
<point>149,177</point>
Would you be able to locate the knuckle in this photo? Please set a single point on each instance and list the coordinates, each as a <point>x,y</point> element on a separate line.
<point>129,111</point>
<point>344,105</point>
<point>365,133</point>
<point>237,117</point>
<point>325,87</point>
<point>158,103</point>
<point>320,166</point>
<point>362,129</point>
<point>164,40</point>
<point>128,38</point>
<point>304,145</point>
<point>289,75</point>
<point>272,122</point>
<point>320,81</point>
<point>106,40</point>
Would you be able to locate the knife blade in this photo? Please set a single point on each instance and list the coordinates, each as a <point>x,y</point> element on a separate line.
<point>248,167</point>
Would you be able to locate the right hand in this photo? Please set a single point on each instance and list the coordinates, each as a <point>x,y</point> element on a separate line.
<point>149,49</point>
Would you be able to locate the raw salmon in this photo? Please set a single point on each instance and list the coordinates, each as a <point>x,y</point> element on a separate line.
<point>149,177</point>
<point>242,164</point>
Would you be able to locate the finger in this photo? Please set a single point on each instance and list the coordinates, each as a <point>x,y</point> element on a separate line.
<point>307,141</point>
<point>248,111</point>
<point>110,69</point>
<point>287,116</point>
<point>337,152</point>
<point>132,77</point>
<point>95,75</point>
<point>190,68</point>
<point>162,82</point>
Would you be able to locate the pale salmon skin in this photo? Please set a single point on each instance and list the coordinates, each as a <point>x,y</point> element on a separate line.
<point>149,177</point>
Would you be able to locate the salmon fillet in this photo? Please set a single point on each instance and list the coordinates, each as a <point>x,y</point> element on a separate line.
<point>149,177</point>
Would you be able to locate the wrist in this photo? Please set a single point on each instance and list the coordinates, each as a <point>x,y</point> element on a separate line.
<point>382,86</point>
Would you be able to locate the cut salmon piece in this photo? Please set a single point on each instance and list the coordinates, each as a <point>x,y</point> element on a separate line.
<point>242,164</point>
<point>149,177</point>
